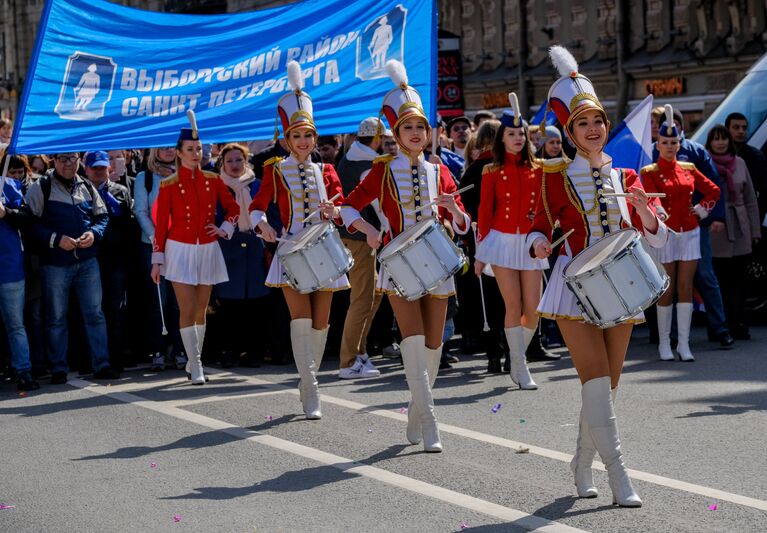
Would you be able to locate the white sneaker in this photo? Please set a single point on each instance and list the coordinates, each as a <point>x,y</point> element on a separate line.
<point>358,370</point>
<point>158,361</point>
<point>368,368</point>
<point>392,351</point>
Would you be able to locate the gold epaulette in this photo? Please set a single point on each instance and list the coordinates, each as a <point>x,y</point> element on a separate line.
<point>555,165</point>
<point>208,175</point>
<point>383,158</point>
<point>687,165</point>
<point>170,180</point>
<point>649,168</point>
<point>490,167</point>
<point>273,160</point>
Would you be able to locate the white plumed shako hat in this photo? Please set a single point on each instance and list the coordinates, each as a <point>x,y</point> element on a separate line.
<point>295,108</point>
<point>403,101</point>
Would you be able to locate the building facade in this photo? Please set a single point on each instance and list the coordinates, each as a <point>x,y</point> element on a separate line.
<point>689,53</point>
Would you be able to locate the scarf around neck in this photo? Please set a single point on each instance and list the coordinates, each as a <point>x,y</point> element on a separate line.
<point>725,164</point>
<point>241,188</point>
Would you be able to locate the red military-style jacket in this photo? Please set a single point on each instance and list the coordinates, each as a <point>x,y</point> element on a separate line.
<point>186,204</point>
<point>556,205</point>
<point>275,188</point>
<point>380,185</point>
<point>679,180</point>
<point>509,197</point>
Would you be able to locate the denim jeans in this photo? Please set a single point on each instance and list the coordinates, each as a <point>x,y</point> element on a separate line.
<point>708,286</point>
<point>84,278</point>
<point>12,314</point>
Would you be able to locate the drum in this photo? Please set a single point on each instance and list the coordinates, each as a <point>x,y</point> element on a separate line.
<point>421,259</point>
<point>314,258</point>
<point>616,278</point>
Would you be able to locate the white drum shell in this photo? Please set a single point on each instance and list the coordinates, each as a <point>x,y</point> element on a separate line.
<point>623,284</point>
<point>314,258</point>
<point>421,259</point>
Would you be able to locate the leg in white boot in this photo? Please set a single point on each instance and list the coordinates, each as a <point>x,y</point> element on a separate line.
<point>432,368</point>
<point>415,361</point>
<point>665,315</point>
<point>319,338</point>
<point>303,354</point>
<point>584,457</point>
<point>520,374</point>
<point>192,347</point>
<point>200,328</point>
<point>528,335</point>
<point>683,322</point>
<point>603,428</point>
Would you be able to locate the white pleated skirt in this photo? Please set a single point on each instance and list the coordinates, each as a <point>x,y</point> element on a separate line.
<point>681,246</point>
<point>278,278</point>
<point>559,302</point>
<point>194,264</point>
<point>508,250</point>
<point>385,286</point>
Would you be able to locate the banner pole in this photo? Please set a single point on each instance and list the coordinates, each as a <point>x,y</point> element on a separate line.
<point>7,156</point>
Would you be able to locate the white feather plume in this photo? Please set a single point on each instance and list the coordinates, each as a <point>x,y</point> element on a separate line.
<point>563,60</point>
<point>295,76</point>
<point>669,115</point>
<point>515,108</point>
<point>192,120</point>
<point>397,72</point>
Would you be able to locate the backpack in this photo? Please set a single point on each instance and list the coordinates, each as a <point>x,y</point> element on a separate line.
<point>45,186</point>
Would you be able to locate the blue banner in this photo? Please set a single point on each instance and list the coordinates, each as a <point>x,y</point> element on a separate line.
<point>104,76</point>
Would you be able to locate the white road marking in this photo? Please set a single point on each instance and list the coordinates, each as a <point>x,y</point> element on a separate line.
<point>663,481</point>
<point>519,518</point>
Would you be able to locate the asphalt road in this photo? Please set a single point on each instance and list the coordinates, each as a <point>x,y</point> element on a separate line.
<point>151,453</point>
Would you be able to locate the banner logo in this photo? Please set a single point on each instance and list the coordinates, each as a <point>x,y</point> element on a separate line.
<point>87,87</point>
<point>382,40</point>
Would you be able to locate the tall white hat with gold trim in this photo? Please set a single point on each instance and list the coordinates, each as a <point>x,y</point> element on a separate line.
<point>295,108</point>
<point>403,101</point>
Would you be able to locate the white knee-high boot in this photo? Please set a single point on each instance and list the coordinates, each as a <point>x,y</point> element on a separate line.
<point>603,428</point>
<point>415,361</point>
<point>432,368</point>
<point>319,339</point>
<point>584,457</point>
<point>665,316</point>
<point>194,362</point>
<point>683,323</point>
<point>528,335</point>
<point>303,355</point>
<point>520,374</point>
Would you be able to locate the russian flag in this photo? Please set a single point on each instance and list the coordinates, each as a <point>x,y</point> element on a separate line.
<point>551,118</point>
<point>630,144</point>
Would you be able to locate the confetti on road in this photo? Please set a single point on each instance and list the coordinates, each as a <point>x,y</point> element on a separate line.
<point>522,449</point>
<point>176,518</point>
<point>496,408</point>
<point>403,410</point>
<point>370,430</point>
<point>712,507</point>
<point>464,525</point>
<point>268,418</point>
<point>22,394</point>
<point>4,507</point>
<point>567,425</point>
<point>521,420</point>
<point>152,465</point>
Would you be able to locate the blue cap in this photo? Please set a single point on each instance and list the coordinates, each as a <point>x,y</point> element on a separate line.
<point>510,121</point>
<point>666,131</point>
<point>97,159</point>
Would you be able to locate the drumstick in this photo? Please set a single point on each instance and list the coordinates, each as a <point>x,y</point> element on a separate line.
<point>486,326</point>
<point>312,214</point>
<point>625,194</point>
<point>459,191</point>
<point>162,316</point>
<point>561,239</point>
<point>276,238</point>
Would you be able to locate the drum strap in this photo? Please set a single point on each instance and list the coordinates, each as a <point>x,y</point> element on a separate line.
<point>617,179</point>
<point>432,181</point>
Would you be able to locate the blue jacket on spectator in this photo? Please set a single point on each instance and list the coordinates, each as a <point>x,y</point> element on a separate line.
<point>454,162</point>
<point>72,208</point>
<point>696,153</point>
<point>11,249</point>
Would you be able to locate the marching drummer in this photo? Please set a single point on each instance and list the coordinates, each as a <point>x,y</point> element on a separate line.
<point>403,184</point>
<point>679,180</point>
<point>575,194</point>
<point>185,244</point>
<point>511,186</point>
<point>300,187</point>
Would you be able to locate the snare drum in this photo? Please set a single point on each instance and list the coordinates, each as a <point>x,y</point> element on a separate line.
<point>421,259</point>
<point>616,278</point>
<point>314,258</point>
